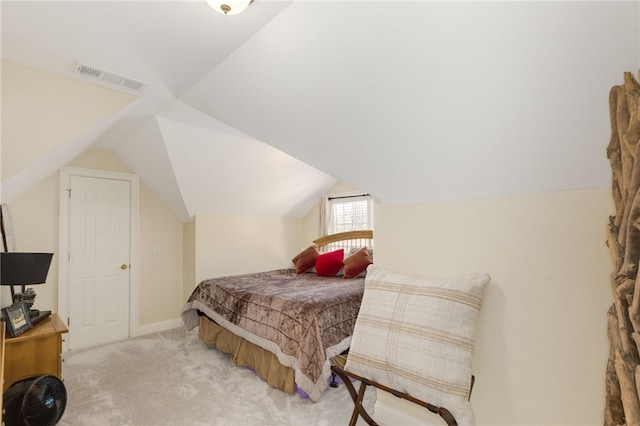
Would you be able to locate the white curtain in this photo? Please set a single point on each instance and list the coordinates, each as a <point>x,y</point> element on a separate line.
<point>325,215</point>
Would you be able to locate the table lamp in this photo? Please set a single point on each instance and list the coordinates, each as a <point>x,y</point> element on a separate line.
<point>19,268</point>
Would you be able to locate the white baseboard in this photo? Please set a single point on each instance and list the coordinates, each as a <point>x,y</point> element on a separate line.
<point>139,330</point>
<point>386,415</point>
<point>156,327</point>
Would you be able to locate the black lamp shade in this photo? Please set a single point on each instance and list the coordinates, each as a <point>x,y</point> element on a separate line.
<point>20,268</point>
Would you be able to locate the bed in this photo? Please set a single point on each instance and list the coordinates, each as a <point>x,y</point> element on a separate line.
<point>287,324</point>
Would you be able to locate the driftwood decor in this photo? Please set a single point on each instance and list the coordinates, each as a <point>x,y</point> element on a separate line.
<point>623,368</point>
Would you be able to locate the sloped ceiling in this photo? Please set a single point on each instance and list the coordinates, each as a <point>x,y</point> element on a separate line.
<point>413,102</point>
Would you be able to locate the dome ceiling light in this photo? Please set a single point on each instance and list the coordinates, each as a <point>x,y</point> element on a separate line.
<point>229,7</point>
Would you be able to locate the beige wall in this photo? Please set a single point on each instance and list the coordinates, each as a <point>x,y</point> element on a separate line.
<point>160,255</point>
<point>35,217</point>
<point>216,245</point>
<point>188,258</point>
<point>229,245</point>
<point>41,111</point>
<point>541,348</point>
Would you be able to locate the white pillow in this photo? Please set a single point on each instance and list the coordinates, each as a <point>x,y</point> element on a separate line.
<point>416,335</point>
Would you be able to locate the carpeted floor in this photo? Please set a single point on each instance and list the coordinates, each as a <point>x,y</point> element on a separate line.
<point>171,378</point>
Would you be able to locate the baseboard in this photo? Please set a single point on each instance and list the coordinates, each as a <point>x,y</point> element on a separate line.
<point>140,330</point>
<point>386,415</point>
<point>156,327</point>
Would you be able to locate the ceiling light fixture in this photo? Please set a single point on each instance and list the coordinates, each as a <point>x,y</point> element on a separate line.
<point>229,7</point>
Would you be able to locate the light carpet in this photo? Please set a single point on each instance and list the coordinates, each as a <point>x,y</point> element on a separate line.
<point>171,378</point>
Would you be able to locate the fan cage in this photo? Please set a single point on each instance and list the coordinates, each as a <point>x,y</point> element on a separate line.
<point>44,401</point>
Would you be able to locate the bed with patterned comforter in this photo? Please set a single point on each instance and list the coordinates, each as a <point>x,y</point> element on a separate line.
<point>303,319</point>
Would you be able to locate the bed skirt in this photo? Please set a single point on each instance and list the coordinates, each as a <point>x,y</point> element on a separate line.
<point>246,354</point>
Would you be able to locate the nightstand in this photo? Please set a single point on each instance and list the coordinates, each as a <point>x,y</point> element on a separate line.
<point>36,352</point>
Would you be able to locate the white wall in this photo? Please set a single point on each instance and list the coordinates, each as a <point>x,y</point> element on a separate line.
<point>541,347</point>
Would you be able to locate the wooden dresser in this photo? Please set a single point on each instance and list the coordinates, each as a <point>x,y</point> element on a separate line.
<point>34,353</point>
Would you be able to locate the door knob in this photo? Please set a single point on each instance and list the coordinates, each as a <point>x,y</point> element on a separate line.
<point>123,267</point>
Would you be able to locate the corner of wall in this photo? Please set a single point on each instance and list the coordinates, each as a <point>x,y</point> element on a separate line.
<point>188,258</point>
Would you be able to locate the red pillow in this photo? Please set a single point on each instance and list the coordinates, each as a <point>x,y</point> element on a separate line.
<point>306,259</point>
<point>357,263</point>
<point>329,264</point>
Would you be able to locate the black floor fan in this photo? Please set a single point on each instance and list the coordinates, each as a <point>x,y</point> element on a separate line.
<point>34,401</point>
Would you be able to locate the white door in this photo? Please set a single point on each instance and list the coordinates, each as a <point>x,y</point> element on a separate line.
<point>99,260</point>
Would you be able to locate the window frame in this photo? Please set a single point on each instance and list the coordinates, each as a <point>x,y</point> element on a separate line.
<point>337,199</point>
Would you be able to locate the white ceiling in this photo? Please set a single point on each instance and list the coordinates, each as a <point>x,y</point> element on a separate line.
<point>413,102</point>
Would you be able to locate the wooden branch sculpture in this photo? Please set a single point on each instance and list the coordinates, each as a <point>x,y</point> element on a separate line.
<point>623,239</point>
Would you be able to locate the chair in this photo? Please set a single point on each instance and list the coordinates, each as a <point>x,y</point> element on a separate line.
<point>416,334</point>
<point>358,409</point>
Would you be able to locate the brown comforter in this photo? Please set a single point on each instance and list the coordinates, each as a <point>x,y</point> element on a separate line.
<point>302,318</point>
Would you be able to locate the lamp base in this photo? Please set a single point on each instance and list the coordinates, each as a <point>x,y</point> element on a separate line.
<point>27,297</point>
<point>36,315</point>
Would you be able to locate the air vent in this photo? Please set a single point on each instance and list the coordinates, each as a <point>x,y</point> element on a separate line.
<point>109,78</point>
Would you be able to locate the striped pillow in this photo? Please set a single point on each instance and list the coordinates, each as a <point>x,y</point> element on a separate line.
<point>416,335</point>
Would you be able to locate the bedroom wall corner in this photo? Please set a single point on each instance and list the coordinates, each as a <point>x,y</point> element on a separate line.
<point>188,259</point>
<point>541,343</point>
<point>161,260</point>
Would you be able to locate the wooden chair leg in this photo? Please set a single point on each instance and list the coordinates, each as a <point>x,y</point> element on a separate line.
<point>364,382</point>
<point>354,414</point>
<point>358,409</point>
<point>333,383</point>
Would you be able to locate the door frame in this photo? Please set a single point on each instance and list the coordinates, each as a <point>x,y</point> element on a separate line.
<point>63,258</point>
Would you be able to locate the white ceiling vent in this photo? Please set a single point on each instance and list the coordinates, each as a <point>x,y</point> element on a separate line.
<point>109,78</point>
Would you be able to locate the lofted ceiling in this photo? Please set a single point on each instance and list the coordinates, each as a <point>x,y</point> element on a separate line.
<point>263,112</point>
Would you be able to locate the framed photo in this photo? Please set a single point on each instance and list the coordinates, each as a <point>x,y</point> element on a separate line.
<point>17,318</point>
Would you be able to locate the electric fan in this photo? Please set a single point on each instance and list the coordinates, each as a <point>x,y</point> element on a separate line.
<point>34,401</point>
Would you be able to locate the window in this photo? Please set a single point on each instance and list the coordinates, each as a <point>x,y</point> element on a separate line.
<point>350,213</point>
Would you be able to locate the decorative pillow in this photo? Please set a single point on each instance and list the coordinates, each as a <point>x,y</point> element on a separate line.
<point>306,259</point>
<point>329,264</point>
<point>357,263</point>
<point>354,250</point>
<point>416,335</point>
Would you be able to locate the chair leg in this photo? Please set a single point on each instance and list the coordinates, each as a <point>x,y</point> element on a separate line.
<point>333,383</point>
<point>357,397</point>
<point>360,408</point>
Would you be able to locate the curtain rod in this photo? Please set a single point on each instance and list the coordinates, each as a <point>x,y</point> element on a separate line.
<point>349,196</point>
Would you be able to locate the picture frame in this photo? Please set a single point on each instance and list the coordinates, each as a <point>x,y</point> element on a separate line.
<point>18,319</point>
